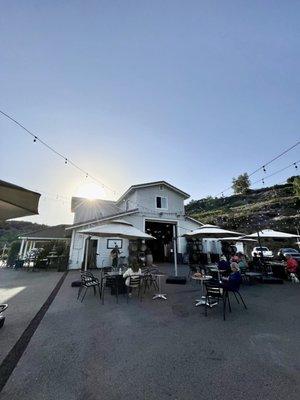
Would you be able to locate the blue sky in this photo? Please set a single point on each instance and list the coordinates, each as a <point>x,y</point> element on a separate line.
<point>192,92</point>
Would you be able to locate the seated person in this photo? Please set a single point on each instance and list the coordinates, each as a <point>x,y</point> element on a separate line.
<point>232,282</point>
<point>133,270</point>
<point>234,258</point>
<point>242,263</point>
<point>291,265</point>
<point>223,264</point>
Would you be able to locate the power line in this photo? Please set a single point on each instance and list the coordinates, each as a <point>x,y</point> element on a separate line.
<point>294,164</point>
<point>263,167</point>
<point>65,158</point>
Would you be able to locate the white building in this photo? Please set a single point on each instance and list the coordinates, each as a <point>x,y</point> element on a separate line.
<point>156,208</point>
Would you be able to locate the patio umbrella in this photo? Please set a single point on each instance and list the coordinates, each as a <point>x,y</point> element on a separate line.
<point>211,230</point>
<point>271,234</point>
<point>16,201</point>
<point>115,228</point>
<point>237,239</point>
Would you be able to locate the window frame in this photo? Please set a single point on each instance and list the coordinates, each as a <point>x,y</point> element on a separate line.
<point>161,208</point>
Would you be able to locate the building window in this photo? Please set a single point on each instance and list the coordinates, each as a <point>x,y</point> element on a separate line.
<point>161,203</point>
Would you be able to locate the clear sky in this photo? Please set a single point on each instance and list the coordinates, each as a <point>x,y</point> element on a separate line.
<point>192,92</point>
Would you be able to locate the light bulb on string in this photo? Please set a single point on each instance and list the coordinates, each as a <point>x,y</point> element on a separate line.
<point>264,169</point>
<point>295,165</point>
<point>66,161</point>
<point>34,140</point>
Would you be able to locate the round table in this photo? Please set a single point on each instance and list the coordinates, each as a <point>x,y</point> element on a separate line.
<point>202,279</point>
<point>159,295</point>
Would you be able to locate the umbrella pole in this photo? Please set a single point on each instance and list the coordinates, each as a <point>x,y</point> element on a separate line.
<point>261,252</point>
<point>175,249</point>
<point>86,253</point>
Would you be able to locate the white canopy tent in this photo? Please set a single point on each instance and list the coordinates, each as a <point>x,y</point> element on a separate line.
<point>117,229</point>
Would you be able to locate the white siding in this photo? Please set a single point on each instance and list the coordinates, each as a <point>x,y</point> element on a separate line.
<point>146,199</point>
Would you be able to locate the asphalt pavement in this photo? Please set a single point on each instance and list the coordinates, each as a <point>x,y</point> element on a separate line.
<point>158,349</point>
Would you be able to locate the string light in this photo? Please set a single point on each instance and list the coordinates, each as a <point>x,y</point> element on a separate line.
<point>263,167</point>
<point>53,150</point>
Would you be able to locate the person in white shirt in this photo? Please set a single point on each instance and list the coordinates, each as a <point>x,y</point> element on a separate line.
<point>134,269</point>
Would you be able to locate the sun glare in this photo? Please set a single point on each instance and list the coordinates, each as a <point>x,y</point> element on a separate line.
<point>89,191</point>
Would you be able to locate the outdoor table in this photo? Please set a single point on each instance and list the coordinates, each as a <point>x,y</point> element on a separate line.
<point>159,295</point>
<point>253,275</point>
<point>120,282</point>
<point>201,279</point>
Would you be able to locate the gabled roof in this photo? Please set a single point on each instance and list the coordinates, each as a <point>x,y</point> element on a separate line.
<point>95,221</point>
<point>103,204</point>
<point>57,232</point>
<point>149,184</point>
<point>87,210</point>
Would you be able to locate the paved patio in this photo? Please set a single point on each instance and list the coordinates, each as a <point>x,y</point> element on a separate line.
<point>25,292</point>
<point>163,349</point>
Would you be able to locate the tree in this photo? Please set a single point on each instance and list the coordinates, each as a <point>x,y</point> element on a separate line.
<point>241,184</point>
<point>296,186</point>
<point>291,179</point>
<point>13,252</point>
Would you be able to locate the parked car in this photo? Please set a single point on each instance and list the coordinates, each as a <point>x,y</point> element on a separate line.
<point>262,251</point>
<point>282,253</point>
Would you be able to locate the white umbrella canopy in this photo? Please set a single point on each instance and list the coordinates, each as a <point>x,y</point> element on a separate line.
<point>238,239</point>
<point>117,228</point>
<point>16,201</point>
<point>270,233</point>
<point>211,230</point>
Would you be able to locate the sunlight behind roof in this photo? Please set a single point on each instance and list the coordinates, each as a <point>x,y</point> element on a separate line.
<point>90,191</point>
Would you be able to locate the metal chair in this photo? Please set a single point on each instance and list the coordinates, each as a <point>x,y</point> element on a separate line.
<point>149,279</point>
<point>88,280</point>
<point>135,282</point>
<point>221,291</point>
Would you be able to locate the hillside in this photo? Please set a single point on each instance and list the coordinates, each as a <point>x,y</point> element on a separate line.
<point>10,230</point>
<point>274,207</point>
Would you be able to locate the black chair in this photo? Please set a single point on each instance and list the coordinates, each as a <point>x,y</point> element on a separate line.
<point>88,280</point>
<point>221,291</point>
<point>149,278</point>
<point>135,282</point>
<point>110,282</point>
<point>236,292</point>
<point>214,292</point>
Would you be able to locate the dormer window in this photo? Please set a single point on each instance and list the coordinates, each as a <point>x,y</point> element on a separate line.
<point>161,203</point>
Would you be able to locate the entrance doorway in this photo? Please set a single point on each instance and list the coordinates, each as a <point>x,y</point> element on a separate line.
<point>162,247</point>
<point>92,253</point>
